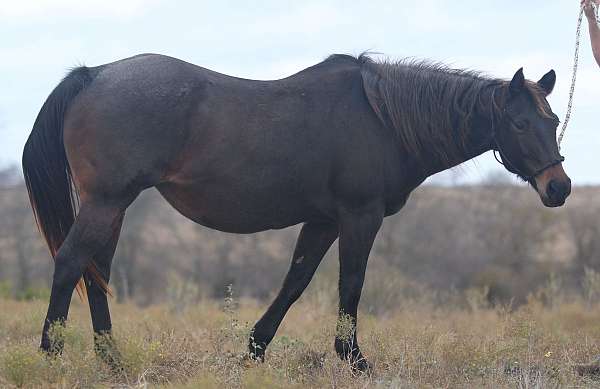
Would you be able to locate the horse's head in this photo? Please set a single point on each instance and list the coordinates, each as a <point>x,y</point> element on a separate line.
<point>525,137</point>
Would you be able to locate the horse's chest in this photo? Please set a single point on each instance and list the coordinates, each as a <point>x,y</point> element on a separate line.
<point>397,195</point>
<point>394,205</point>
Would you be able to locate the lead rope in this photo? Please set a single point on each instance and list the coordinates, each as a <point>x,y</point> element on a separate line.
<point>574,75</point>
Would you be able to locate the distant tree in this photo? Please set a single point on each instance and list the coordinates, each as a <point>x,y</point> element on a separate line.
<point>498,177</point>
<point>23,246</point>
<point>584,226</point>
<point>126,273</point>
<point>10,176</point>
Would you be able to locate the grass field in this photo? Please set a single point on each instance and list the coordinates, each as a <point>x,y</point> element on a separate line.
<point>203,346</point>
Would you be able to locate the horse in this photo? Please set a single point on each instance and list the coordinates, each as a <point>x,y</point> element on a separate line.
<point>336,147</point>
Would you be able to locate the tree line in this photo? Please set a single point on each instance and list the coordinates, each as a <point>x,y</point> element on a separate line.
<point>496,238</point>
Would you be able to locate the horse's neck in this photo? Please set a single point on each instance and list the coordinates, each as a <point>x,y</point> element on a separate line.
<point>479,139</point>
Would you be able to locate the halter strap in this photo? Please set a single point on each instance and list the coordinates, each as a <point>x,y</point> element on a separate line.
<point>512,167</point>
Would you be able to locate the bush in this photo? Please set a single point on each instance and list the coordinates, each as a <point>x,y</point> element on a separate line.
<point>21,365</point>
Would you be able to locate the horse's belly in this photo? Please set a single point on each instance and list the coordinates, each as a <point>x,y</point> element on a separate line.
<point>236,211</point>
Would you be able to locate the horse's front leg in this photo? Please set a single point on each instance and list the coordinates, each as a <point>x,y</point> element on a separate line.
<point>313,242</point>
<point>358,229</point>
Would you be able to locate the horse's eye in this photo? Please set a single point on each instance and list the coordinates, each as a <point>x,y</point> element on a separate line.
<point>520,124</point>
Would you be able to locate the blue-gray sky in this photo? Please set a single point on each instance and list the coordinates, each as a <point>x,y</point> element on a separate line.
<point>273,39</point>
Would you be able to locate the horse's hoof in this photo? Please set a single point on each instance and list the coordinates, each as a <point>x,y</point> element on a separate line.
<point>113,361</point>
<point>352,355</point>
<point>107,351</point>
<point>361,366</point>
<point>256,351</point>
<point>51,353</point>
<point>591,368</point>
<point>52,349</point>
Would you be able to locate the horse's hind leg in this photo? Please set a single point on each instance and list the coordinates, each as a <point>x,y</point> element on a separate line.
<point>313,242</point>
<point>98,301</point>
<point>93,229</point>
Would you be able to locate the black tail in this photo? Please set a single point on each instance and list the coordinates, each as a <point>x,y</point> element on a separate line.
<point>46,169</point>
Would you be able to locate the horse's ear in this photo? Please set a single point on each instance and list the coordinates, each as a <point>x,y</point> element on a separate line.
<point>547,82</point>
<point>517,83</point>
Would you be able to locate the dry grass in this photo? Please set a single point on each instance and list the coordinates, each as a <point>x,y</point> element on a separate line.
<point>204,346</point>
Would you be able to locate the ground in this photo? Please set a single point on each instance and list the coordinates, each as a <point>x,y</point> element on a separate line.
<point>203,345</point>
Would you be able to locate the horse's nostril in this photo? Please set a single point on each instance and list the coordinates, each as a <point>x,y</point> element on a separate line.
<point>557,190</point>
<point>551,188</point>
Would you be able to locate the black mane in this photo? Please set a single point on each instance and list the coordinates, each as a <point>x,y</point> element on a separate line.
<point>429,105</point>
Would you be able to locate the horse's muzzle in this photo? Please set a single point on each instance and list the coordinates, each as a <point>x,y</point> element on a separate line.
<point>553,186</point>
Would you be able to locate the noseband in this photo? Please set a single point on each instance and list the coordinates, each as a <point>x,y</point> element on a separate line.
<point>504,160</point>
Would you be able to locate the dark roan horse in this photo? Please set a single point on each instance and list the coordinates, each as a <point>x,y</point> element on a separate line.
<point>337,147</point>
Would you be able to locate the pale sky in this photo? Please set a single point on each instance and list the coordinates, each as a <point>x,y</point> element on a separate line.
<point>41,39</point>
